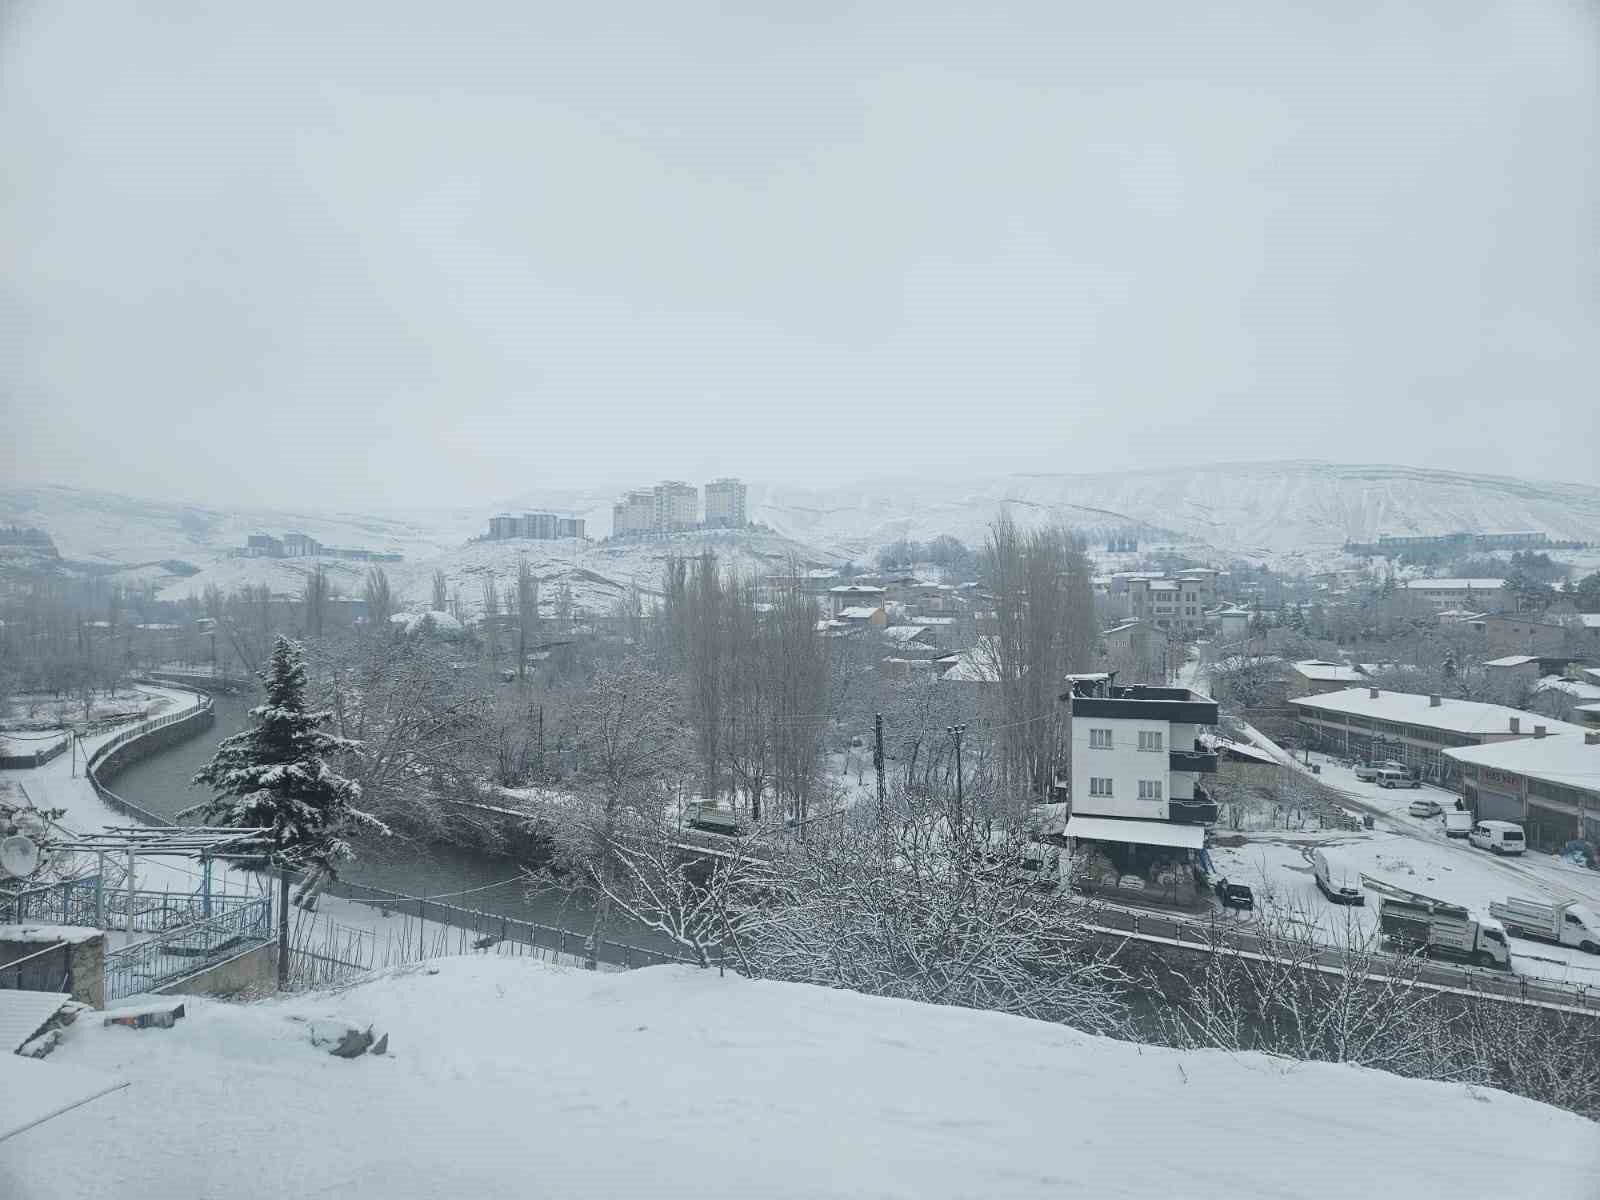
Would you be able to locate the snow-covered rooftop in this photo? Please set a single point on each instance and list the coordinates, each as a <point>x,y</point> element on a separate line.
<point>858,613</point>
<point>1327,672</point>
<point>1589,620</point>
<point>976,664</point>
<point>1513,660</point>
<point>1565,760</point>
<point>1451,715</point>
<point>1454,585</point>
<point>904,633</point>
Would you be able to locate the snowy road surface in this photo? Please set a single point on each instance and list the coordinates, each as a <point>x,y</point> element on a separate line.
<point>514,1080</point>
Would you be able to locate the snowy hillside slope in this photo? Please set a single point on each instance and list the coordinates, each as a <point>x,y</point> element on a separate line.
<point>513,1079</point>
<point>1273,511</point>
<point>147,537</point>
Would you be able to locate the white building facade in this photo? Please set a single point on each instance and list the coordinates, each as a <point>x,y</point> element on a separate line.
<point>1135,756</point>
<point>725,503</point>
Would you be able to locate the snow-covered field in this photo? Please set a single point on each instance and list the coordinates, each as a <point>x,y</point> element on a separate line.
<point>515,1079</point>
<point>1413,853</point>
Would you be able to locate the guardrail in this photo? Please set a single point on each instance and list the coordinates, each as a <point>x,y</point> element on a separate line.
<point>204,704</point>
<point>152,964</point>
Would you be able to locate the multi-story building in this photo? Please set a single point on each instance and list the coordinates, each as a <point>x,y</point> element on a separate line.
<point>1136,757</point>
<point>1475,595</point>
<point>264,545</point>
<point>634,513</point>
<point>540,526</point>
<point>1174,604</point>
<point>725,503</point>
<point>299,545</point>
<point>677,506</point>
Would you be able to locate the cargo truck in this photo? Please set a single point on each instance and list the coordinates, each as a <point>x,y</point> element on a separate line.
<point>1568,924</point>
<point>1412,921</point>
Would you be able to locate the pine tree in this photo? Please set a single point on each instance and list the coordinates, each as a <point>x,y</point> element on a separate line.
<point>275,777</point>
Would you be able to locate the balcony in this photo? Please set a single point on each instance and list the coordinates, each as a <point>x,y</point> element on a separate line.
<point>1202,810</point>
<point>1204,761</point>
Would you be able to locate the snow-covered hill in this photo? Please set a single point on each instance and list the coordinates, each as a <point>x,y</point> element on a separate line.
<point>182,548</point>
<point>1276,511</point>
<point>513,1079</point>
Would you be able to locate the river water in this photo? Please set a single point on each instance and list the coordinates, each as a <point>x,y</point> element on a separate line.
<point>160,783</point>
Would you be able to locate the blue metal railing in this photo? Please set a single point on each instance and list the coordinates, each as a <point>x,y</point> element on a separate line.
<point>69,902</point>
<point>152,964</point>
<point>156,911</point>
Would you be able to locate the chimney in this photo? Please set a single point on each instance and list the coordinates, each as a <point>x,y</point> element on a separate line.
<point>1435,700</point>
<point>1372,693</point>
<point>1516,725</point>
<point>1538,731</point>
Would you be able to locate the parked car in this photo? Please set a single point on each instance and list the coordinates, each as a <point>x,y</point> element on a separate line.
<point>1392,777</point>
<point>1425,808</point>
<point>1457,824</point>
<point>1235,895</point>
<point>1498,837</point>
<point>1367,772</point>
<point>1336,883</point>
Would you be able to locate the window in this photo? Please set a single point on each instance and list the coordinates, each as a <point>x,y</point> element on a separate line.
<point>1099,786</point>
<point>1149,789</point>
<point>1100,739</point>
<point>1150,739</point>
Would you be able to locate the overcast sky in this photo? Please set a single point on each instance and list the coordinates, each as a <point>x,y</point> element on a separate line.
<point>402,253</point>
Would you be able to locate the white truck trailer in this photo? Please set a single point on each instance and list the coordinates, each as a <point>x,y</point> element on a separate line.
<point>1567,924</point>
<point>1413,921</point>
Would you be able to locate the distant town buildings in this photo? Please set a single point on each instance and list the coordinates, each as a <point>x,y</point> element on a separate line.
<point>1393,544</point>
<point>725,504</point>
<point>300,545</point>
<point>1177,604</point>
<point>539,526</point>
<point>673,506</point>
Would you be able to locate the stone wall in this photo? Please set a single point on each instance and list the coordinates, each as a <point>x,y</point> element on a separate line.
<point>82,952</point>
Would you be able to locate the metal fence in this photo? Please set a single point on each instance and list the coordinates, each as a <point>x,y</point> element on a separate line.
<point>156,912</point>
<point>127,807</point>
<point>323,953</point>
<point>69,902</point>
<point>34,758</point>
<point>160,960</point>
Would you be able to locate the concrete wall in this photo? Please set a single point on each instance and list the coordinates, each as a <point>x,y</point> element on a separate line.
<point>147,744</point>
<point>255,969</point>
<point>85,962</point>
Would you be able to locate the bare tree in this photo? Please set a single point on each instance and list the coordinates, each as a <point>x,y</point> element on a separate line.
<point>314,601</point>
<point>441,593</point>
<point>491,619</point>
<point>896,908</point>
<point>380,600</point>
<point>631,752</point>
<point>527,600</point>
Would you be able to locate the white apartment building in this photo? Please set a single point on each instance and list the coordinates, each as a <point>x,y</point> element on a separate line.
<point>677,506</point>
<point>725,503</point>
<point>1136,763</point>
<point>634,513</point>
<point>1176,604</point>
<point>1475,595</point>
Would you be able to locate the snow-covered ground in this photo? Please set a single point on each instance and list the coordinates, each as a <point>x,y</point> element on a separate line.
<point>513,1079</point>
<point>1413,853</point>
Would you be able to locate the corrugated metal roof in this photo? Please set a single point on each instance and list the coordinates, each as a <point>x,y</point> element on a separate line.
<point>23,1013</point>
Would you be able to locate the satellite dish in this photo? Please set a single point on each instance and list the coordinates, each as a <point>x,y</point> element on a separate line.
<point>19,857</point>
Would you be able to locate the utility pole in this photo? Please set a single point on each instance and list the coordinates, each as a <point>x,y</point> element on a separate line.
<point>283,928</point>
<point>956,731</point>
<point>877,765</point>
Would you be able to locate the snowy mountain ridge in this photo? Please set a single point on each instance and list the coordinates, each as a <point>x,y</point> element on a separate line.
<point>1278,512</point>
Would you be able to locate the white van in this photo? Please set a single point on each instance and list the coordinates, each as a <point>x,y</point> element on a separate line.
<point>1498,837</point>
<point>1457,824</point>
<point>1388,777</point>
<point>1336,884</point>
